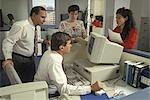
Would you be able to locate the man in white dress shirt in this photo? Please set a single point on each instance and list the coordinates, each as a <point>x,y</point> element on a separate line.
<point>18,47</point>
<point>50,67</point>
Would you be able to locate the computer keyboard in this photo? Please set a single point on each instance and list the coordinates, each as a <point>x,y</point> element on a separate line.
<point>75,78</point>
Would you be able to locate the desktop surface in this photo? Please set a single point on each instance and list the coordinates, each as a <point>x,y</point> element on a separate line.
<point>139,95</point>
<point>92,96</point>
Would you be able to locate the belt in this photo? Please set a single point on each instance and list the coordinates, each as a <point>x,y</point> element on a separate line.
<point>22,55</point>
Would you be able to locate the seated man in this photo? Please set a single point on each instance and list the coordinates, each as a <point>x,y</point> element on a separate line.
<point>50,68</point>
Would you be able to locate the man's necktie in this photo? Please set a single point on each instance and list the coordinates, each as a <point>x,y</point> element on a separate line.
<point>36,42</point>
<point>63,65</point>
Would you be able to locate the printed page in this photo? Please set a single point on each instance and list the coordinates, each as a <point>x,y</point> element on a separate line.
<point>113,36</point>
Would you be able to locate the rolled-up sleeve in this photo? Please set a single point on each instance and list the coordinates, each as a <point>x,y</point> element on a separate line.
<point>58,76</point>
<point>8,43</point>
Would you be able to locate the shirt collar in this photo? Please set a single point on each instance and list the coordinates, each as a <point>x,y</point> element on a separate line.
<point>31,22</point>
<point>61,57</point>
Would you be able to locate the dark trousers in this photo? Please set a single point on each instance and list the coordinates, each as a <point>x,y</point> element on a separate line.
<point>24,66</point>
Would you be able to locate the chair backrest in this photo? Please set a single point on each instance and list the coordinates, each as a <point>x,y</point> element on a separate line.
<point>12,74</point>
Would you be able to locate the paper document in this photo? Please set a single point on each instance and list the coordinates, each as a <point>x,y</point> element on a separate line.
<point>113,36</point>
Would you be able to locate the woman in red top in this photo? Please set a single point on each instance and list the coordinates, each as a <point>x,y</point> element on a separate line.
<point>98,22</point>
<point>126,28</point>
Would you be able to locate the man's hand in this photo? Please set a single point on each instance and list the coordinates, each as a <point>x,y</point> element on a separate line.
<point>7,62</point>
<point>96,86</point>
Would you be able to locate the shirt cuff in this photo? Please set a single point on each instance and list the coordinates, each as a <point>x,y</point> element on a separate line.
<point>88,89</point>
<point>8,56</point>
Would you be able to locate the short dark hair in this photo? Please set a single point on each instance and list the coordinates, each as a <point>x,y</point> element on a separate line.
<point>100,18</point>
<point>58,39</point>
<point>73,8</point>
<point>91,15</point>
<point>36,10</point>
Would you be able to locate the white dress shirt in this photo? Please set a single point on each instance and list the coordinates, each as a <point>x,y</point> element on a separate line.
<point>50,70</point>
<point>20,39</point>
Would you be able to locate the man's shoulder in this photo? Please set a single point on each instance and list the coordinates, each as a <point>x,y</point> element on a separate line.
<point>49,54</point>
<point>22,23</point>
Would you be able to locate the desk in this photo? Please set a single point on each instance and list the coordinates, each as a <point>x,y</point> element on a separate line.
<point>139,95</point>
<point>94,97</point>
<point>120,86</point>
<point>91,96</point>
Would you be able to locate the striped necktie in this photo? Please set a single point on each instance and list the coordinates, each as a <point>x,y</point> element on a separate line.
<point>36,42</point>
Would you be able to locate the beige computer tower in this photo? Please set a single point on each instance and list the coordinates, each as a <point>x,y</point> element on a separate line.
<point>94,72</point>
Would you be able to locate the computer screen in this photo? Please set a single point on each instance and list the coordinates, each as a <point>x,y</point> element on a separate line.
<point>91,43</point>
<point>101,51</point>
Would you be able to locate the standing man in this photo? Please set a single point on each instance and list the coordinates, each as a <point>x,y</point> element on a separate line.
<point>19,45</point>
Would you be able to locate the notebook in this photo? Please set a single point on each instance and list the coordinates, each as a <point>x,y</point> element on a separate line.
<point>115,37</point>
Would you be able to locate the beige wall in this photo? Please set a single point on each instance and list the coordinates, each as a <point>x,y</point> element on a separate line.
<point>97,7</point>
<point>19,8</point>
<point>0,4</point>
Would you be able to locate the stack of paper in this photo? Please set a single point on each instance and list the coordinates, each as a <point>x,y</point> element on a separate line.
<point>115,37</point>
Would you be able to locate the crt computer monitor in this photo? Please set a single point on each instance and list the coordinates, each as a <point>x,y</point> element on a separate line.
<point>101,51</point>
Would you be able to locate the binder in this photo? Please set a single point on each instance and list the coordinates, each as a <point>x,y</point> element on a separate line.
<point>137,74</point>
<point>129,70</point>
<point>126,63</point>
<point>145,78</point>
<point>132,72</point>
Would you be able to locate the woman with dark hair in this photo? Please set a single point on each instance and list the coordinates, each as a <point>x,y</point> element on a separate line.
<point>126,28</point>
<point>74,27</point>
<point>98,22</point>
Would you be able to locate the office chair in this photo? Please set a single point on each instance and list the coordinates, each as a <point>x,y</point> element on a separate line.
<point>12,74</point>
